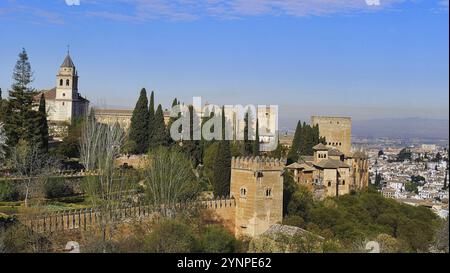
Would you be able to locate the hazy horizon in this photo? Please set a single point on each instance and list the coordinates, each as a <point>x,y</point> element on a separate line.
<point>308,57</point>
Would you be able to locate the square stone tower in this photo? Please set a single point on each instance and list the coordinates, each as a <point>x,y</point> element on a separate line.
<point>336,130</point>
<point>257,187</point>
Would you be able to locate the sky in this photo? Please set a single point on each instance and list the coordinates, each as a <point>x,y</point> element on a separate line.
<point>389,59</point>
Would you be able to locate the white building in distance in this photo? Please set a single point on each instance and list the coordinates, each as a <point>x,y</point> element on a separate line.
<point>64,104</point>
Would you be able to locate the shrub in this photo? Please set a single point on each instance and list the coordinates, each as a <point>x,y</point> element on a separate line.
<point>8,191</point>
<point>171,236</point>
<point>218,240</point>
<point>56,188</point>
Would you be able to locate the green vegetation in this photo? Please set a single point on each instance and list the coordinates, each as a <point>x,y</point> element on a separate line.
<point>353,219</point>
<point>404,154</point>
<point>139,131</point>
<point>20,118</point>
<point>56,188</point>
<point>159,135</point>
<point>222,170</point>
<point>169,178</point>
<point>305,138</point>
<point>8,191</point>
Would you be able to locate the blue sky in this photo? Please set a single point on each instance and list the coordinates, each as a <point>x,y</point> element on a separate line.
<point>310,57</point>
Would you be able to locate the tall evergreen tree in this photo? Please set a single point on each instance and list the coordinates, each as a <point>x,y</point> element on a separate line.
<point>151,117</point>
<point>42,126</point>
<point>192,147</point>
<point>19,120</point>
<point>256,142</point>
<point>293,153</point>
<point>138,134</point>
<point>248,133</point>
<point>222,170</point>
<point>171,121</point>
<point>305,138</point>
<point>159,137</point>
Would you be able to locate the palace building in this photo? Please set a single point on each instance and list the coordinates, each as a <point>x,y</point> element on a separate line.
<point>334,169</point>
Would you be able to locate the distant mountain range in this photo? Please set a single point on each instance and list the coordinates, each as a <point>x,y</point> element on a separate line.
<point>423,128</point>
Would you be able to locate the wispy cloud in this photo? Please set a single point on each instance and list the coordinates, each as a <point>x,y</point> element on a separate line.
<point>188,10</point>
<point>193,9</point>
<point>30,13</point>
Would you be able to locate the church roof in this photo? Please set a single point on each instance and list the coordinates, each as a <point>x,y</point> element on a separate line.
<point>68,62</point>
<point>48,94</point>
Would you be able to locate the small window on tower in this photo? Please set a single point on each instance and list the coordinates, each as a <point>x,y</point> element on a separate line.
<point>61,82</point>
<point>268,192</point>
<point>64,94</point>
<point>243,192</point>
<point>63,103</point>
<point>67,82</point>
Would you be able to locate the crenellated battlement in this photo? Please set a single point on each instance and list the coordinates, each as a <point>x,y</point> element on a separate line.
<point>219,203</point>
<point>258,163</point>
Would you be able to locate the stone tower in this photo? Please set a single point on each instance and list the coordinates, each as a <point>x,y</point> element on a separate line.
<point>67,97</point>
<point>336,130</point>
<point>257,187</point>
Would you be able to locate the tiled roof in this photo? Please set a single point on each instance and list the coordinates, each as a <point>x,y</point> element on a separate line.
<point>335,152</point>
<point>48,94</point>
<point>331,164</point>
<point>321,147</point>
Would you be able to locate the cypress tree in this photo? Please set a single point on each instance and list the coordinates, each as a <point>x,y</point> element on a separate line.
<point>159,129</point>
<point>256,142</point>
<point>151,117</point>
<point>18,121</point>
<point>222,170</point>
<point>42,137</point>
<point>171,121</point>
<point>192,148</point>
<point>138,134</point>
<point>293,153</point>
<point>248,143</point>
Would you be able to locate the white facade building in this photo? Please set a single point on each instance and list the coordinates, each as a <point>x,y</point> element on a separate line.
<point>64,103</point>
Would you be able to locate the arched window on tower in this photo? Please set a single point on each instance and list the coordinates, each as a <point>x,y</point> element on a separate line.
<point>61,82</point>
<point>67,82</point>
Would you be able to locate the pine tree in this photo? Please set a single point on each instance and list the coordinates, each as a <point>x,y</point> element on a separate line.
<point>159,129</point>
<point>256,142</point>
<point>42,126</point>
<point>138,134</point>
<point>222,170</point>
<point>19,118</point>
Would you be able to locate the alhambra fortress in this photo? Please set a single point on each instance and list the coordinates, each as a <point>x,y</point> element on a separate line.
<point>256,190</point>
